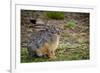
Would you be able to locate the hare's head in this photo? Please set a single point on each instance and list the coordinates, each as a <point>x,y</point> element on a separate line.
<point>52,29</point>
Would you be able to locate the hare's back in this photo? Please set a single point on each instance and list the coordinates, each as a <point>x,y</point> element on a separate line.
<point>36,41</point>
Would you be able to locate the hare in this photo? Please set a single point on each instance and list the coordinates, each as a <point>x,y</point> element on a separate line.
<point>44,42</point>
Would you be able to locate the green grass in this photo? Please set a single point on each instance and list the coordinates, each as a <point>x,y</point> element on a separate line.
<point>71,24</point>
<point>64,53</point>
<point>55,15</point>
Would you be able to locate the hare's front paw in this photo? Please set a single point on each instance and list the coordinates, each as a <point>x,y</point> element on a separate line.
<point>52,57</point>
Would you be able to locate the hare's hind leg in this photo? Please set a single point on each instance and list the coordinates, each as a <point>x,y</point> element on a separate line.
<point>39,53</point>
<point>42,52</point>
<point>47,51</point>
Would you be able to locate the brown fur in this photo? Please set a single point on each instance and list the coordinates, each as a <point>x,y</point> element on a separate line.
<point>49,48</point>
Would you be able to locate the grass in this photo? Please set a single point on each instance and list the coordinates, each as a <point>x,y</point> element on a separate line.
<point>64,53</point>
<point>55,15</point>
<point>71,24</point>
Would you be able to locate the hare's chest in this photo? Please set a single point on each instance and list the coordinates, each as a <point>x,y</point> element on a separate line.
<point>55,43</point>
